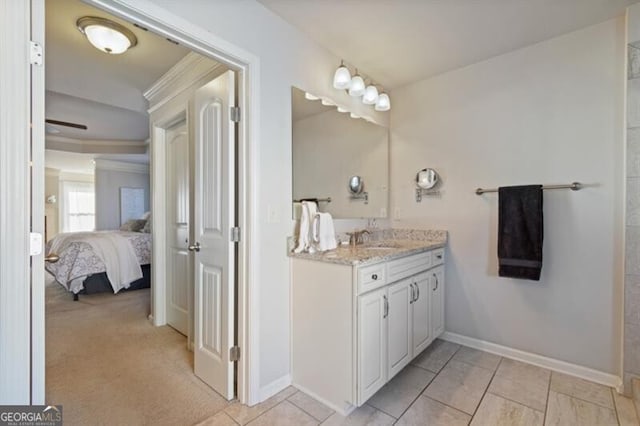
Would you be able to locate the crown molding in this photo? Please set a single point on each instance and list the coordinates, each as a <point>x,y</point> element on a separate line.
<point>97,142</point>
<point>192,68</point>
<point>89,146</point>
<point>121,166</point>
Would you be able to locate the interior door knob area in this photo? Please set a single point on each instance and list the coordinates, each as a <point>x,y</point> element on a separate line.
<point>52,258</point>
<point>194,247</point>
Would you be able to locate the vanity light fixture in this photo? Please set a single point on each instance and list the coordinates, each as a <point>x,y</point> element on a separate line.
<point>342,109</point>
<point>353,115</point>
<point>357,87</point>
<point>370,95</point>
<point>383,103</point>
<point>327,102</point>
<point>342,77</point>
<point>310,97</point>
<point>106,35</point>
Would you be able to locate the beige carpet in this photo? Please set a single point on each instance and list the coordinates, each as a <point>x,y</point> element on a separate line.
<point>106,364</point>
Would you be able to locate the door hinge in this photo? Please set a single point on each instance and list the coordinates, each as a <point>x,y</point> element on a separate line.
<point>35,53</point>
<point>234,353</point>
<point>235,234</point>
<point>234,112</point>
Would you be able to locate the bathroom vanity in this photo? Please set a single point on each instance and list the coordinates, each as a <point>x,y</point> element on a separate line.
<point>361,314</point>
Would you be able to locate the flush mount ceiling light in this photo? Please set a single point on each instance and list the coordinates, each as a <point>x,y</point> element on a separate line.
<point>105,35</point>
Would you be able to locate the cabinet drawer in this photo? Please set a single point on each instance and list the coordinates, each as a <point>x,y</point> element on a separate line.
<point>371,277</point>
<point>407,266</point>
<point>437,257</point>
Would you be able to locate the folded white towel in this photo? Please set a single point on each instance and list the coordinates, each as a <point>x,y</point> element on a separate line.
<point>324,232</point>
<point>309,211</point>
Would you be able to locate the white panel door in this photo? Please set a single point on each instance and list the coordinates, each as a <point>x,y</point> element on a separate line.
<point>179,264</point>
<point>437,301</point>
<point>214,203</point>
<point>399,324</point>
<point>372,343</point>
<point>422,336</point>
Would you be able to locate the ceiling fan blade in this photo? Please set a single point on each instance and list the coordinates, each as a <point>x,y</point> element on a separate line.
<point>66,123</point>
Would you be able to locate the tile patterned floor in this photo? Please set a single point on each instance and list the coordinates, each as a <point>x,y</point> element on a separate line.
<point>450,385</point>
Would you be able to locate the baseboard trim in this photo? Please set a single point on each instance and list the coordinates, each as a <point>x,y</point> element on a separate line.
<point>274,387</point>
<point>343,411</point>
<point>538,360</point>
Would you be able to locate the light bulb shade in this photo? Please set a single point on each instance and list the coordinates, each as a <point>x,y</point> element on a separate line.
<point>370,95</point>
<point>357,87</point>
<point>383,103</point>
<point>105,35</point>
<point>342,78</point>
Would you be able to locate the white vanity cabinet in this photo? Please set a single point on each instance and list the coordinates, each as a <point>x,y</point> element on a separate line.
<point>354,327</point>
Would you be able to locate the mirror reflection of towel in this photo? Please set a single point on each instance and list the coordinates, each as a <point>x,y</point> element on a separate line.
<point>520,231</point>
<point>309,211</point>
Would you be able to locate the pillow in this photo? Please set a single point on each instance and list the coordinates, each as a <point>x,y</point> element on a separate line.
<point>147,226</point>
<point>133,225</point>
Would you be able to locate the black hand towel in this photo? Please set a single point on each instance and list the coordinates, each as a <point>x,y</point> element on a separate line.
<point>520,231</point>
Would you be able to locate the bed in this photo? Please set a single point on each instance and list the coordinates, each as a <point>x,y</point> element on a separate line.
<point>101,261</point>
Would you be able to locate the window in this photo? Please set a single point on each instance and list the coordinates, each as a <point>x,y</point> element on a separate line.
<point>78,206</point>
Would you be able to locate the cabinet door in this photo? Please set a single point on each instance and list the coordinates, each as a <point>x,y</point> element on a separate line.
<point>437,301</point>
<point>372,343</point>
<point>399,323</point>
<point>422,333</point>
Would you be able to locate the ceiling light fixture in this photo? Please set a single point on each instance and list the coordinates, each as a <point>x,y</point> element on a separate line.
<point>105,35</point>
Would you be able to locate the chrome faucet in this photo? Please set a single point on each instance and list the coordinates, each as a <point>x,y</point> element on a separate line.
<point>355,237</point>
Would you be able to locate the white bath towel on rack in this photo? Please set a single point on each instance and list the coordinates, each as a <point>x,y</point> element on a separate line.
<point>305,238</point>
<point>324,234</point>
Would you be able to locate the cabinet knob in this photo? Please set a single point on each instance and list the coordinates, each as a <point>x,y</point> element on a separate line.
<point>374,276</point>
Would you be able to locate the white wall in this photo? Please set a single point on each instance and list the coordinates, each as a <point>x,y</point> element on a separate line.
<point>108,183</point>
<point>329,148</point>
<point>287,58</point>
<point>549,113</point>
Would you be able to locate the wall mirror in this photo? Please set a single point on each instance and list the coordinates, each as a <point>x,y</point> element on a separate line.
<point>329,148</point>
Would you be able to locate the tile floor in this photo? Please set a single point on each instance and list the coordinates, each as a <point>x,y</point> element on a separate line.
<point>451,385</point>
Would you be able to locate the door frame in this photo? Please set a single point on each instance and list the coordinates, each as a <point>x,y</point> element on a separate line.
<point>18,372</point>
<point>247,68</point>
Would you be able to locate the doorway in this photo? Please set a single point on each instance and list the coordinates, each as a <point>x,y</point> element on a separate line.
<point>206,44</point>
<point>247,82</point>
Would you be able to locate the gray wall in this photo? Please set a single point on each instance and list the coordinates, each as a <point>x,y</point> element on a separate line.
<point>548,113</point>
<point>108,184</point>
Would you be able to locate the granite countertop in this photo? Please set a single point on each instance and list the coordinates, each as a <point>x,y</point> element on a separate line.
<point>389,244</point>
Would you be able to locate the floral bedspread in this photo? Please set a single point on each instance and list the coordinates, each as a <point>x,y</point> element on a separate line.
<point>78,261</point>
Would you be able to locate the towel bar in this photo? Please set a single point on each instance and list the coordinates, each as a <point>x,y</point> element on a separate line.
<point>574,186</point>
<point>317,200</point>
